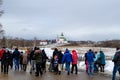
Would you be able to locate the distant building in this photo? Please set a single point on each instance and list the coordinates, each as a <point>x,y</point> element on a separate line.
<point>43,42</point>
<point>61,39</point>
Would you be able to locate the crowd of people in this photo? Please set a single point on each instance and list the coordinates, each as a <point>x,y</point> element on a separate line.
<point>94,61</point>
<point>19,60</point>
<point>59,59</point>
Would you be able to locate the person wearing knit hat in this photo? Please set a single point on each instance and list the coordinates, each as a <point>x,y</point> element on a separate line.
<point>74,61</point>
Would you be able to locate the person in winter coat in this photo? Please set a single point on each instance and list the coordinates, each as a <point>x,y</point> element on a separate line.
<point>60,56</point>
<point>86,62</point>
<point>11,59</point>
<point>102,61</point>
<point>2,51</point>
<point>74,61</point>
<point>55,52</point>
<point>44,60</point>
<point>116,60</point>
<point>28,55</point>
<point>96,64</point>
<point>21,60</point>
<point>56,64</point>
<point>67,58</point>
<point>90,58</point>
<point>6,61</point>
<point>25,61</point>
<point>16,56</point>
<point>32,58</point>
<point>38,61</point>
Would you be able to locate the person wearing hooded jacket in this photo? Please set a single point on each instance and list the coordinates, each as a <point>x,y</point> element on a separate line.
<point>74,61</point>
<point>90,59</point>
<point>67,58</point>
<point>116,60</point>
<point>102,61</point>
<point>44,60</point>
<point>16,57</point>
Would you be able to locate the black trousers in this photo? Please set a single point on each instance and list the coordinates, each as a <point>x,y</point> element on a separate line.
<point>102,67</point>
<point>38,69</point>
<point>56,68</point>
<point>6,66</point>
<point>24,67</point>
<point>76,68</point>
<point>11,64</point>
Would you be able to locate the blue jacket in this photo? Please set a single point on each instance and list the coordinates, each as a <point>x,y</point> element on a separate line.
<point>102,56</point>
<point>90,57</point>
<point>116,58</point>
<point>67,57</point>
<point>96,56</point>
<point>16,54</point>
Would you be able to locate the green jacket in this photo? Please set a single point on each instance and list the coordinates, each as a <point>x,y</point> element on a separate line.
<point>38,57</point>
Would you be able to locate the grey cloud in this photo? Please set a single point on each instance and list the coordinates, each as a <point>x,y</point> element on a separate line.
<point>47,18</point>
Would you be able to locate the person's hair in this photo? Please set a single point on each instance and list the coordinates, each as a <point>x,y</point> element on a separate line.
<point>90,49</point>
<point>117,48</point>
<point>3,47</point>
<point>37,48</point>
<point>95,52</point>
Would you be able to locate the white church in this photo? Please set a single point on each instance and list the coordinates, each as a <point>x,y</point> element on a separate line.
<point>61,39</point>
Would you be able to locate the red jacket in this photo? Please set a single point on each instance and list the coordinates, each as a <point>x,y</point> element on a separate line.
<point>74,57</point>
<point>2,51</point>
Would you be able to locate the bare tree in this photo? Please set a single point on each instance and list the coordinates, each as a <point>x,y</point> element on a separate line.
<point>1,12</point>
<point>1,28</point>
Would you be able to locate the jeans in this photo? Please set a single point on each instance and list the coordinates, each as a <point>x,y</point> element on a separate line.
<point>115,69</point>
<point>32,65</point>
<point>16,62</point>
<point>68,66</point>
<point>91,68</point>
<point>95,67</point>
<point>64,64</point>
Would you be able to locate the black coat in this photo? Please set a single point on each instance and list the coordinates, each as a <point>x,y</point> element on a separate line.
<point>116,58</point>
<point>60,56</point>
<point>6,58</point>
<point>16,54</point>
<point>44,56</point>
<point>55,52</point>
<point>32,55</point>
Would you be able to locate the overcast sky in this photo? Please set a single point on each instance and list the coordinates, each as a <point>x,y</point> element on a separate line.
<point>78,19</point>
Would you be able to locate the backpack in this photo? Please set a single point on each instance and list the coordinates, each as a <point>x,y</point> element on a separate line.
<point>38,57</point>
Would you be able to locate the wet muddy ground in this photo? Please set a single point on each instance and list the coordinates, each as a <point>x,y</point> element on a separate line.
<point>82,75</point>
